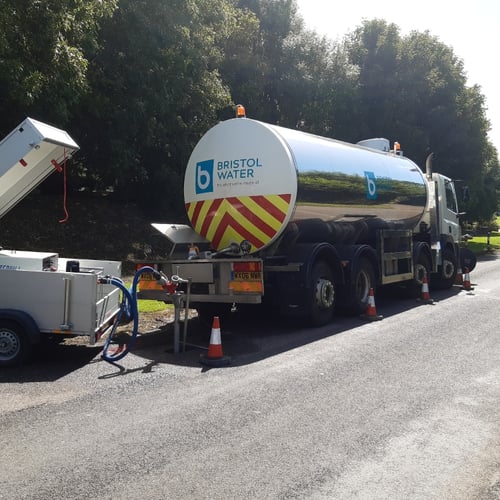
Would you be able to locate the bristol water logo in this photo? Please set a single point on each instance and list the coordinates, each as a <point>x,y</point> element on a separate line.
<point>205,176</point>
<point>371,186</point>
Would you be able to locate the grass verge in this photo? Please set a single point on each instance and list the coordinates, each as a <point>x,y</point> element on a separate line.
<point>484,244</point>
<point>149,306</point>
<point>480,245</point>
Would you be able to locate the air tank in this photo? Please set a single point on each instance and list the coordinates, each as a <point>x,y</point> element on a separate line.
<point>248,180</point>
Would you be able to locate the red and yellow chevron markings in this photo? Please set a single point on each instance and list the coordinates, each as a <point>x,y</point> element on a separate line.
<point>225,220</point>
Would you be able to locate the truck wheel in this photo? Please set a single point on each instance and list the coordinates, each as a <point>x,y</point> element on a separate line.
<point>322,294</point>
<point>446,278</point>
<point>467,259</point>
<point>362,280</point>
<point>422,268</point>
<point>14,345</point>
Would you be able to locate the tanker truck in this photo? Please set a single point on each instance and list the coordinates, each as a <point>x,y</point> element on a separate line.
<point>306,224</point>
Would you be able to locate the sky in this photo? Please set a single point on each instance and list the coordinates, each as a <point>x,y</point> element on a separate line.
<point>470,28</point>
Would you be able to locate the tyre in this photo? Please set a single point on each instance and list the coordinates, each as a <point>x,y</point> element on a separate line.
<point>14,344</point>
<point>448,273</point>
<point>322,294</point>
<point>467,259</point>
<point>363,279</point>
<point>421,269</point>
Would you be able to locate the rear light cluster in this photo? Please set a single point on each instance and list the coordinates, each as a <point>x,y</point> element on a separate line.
<point>247,267</point>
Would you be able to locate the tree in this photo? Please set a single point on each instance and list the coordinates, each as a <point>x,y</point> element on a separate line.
<point>44,50</point>
<point>276,20</point>
<point>155,90</point>
<point>286,74</point>
<point>447,117</point>
<point>139,81</point>
<point>374,48</point>
<point>414,89</point>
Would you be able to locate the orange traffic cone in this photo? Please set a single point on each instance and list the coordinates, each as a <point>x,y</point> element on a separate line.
<point>215,356</point>
<point>466,281</point>
<point>371,310</point>
<point>426,297</point>
<point>459,278</point>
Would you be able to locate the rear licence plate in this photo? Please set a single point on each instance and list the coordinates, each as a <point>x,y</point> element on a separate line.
<point>247,276</point>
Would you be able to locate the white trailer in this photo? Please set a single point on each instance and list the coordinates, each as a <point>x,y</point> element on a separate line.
<point>42,294</point>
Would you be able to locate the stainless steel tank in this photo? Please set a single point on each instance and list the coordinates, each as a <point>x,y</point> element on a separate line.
<point>249,180</point>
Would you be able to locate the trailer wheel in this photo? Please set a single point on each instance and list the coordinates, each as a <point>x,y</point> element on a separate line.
<point>446,278</point>
<point>14,344</point>
<point>322,294</point>
<point>363,279</point>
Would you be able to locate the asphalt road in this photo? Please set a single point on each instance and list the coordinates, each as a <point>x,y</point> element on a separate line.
<point>403,408</point>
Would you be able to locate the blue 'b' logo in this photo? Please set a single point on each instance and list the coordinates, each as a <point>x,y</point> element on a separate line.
<point>371,187</point>
<point>204,176</point>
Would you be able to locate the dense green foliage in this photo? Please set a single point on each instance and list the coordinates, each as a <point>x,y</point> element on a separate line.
<point>45,47</point>
<point>137,82</point>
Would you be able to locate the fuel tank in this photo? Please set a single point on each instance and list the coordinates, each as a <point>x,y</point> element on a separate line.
<point>249,180</point>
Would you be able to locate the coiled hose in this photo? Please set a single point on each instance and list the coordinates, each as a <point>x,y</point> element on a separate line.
<point>115,348</point>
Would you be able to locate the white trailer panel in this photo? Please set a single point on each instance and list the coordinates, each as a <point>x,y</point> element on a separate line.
<point>63,302</point>
<point>27,261</point>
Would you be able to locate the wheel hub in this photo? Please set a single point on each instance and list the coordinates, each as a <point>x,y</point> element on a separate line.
<point>9,344</point>
<point>420,273</point>
<point>448,269</point>
<point>325,293</point>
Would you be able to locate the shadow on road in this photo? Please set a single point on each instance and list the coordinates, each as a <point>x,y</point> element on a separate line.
<point>50,361</point>
<point>253,337</point>
<point>246,339</point>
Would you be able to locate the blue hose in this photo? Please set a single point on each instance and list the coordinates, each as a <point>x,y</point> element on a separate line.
<point>128,312</point>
